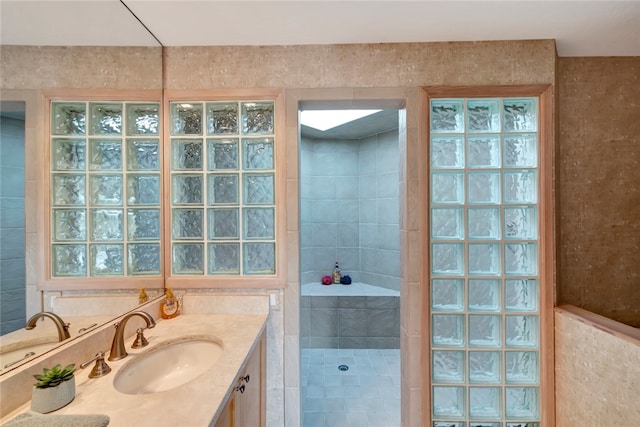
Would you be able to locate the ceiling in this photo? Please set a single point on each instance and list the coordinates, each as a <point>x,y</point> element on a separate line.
<point>580,28</point>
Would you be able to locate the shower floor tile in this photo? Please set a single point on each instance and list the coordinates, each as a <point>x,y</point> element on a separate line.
<point>365,395</point>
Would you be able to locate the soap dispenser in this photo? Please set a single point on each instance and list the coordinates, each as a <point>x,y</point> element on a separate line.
<point>169,307</point>
<point>336,275</point>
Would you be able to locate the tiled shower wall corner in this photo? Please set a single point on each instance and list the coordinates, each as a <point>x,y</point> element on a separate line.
<point>350,209</point>
<point>12,232</point>
<point>350,322</point>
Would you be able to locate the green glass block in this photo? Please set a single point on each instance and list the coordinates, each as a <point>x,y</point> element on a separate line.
<point>521,150</point>
<point>222,154</point>
<point>521,295</point>
<point>447,151</point>
<point>521,367</point>
<point>258,189</point>
<point>106,224</point>
<point>188,258</point>
<point>484,259</point>
<point>520,114</point>
<point>447,294</point>
<point>448,402</point>
<point>186,189</point>
<point>449,424</point>
<point>69,260</point>
<point>223,224</point>
<point>68,118</point>
<point>259,258</point>
<point>448,366</point>
<point>258,223</point>
<point>521,222</point>
<point>69,224</point>
<point>257,153</point>
<point>522,402</point>
<point>187,224</point>
<point>485,330</point>
<point>186,118</point>
<point>224,258</point>
<point>222,189</point>
<point>447,330</point>
<point>222,118</point>
<point>447,116</point>
<point>105,118</point>
<point>483,151</point>
<point>143,119</point>
<point>485,402</point>
<point>143,154</point>
<point>143,224</point>
<point>520,186</point>
<point>484,187</point>
<point>143,189</point>
<point>68,154</point>
<point>106,260</point>
<point>520,259</point>
<point>105,154</point>
<point>521,331</point>
<point>257,118</point>
<point>186,154</point>
<point>483,223</point>
<point>143,259</point>
<point>447,187</point>
<point>447,223</point>
<point>485,367</point>
<point>483,115</point>
<point>106,189</point>
<point>68,190</point>
<point>484,295</point>
<point>447,258</point>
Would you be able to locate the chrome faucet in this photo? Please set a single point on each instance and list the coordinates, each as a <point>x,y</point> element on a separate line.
<point>117,346</point>
<point>63,328</point>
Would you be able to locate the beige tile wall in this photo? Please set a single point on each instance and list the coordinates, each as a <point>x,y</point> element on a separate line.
<point>347,72</point>
<point>597,371</point>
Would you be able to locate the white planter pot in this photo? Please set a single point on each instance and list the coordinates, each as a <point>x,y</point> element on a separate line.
<point>44,400</point>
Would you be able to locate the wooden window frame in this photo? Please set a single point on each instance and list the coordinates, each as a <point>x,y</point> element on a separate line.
<point>45,280</point>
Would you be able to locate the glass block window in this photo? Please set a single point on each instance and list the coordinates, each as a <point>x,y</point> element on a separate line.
<point>223,207</point>
<point>105,189</point>
<point>484,288</point>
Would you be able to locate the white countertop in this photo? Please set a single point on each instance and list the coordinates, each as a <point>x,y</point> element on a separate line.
<point>195,403</point>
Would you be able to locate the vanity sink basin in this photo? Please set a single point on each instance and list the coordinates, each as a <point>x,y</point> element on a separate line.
<point>167,366</point>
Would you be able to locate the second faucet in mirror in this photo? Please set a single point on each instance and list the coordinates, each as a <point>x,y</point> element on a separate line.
<point>63,328</point>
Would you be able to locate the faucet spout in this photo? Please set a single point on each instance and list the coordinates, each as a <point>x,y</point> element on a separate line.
<point>63,328</point>
<point>117,346</point>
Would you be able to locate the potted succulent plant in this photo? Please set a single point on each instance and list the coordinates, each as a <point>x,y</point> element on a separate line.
<point>55,388</point>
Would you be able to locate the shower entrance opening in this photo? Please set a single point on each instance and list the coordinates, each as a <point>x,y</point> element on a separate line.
<point>349,217</point>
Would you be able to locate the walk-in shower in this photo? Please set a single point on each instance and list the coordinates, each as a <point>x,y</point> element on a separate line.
<point>349,213</point>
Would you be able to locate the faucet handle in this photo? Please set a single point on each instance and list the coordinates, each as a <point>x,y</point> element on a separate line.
<point>140,340</point>
<point>100,368</point>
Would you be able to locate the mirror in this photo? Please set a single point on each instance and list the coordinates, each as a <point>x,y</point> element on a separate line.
<point>45,46</point>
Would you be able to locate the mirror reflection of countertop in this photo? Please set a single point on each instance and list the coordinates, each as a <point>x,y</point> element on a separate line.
<point>15,345</point>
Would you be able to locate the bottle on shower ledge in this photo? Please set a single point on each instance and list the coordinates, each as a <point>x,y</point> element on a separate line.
<point>336,276</point>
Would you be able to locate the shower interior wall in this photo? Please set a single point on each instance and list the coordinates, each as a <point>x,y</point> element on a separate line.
<point>349,208</point>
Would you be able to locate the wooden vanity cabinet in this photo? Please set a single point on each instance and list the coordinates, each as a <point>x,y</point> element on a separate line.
<point>246,407</point>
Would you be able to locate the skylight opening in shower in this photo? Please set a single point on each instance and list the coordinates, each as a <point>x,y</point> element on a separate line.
<point>323,120</point>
